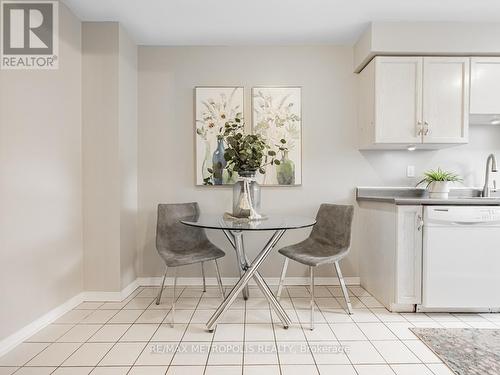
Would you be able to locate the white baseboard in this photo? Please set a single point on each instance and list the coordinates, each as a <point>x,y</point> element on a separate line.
<point>18,337</point>
<point>111,296</point>
<point>228,281</point>
<point>29,330</point>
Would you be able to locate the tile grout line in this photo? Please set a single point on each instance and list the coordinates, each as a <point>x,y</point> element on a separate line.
<point>163,322</point>
<point>316,308</point>
<point>124,333</point>
<point>84,342</point>
<point>270,311</point>
<point>52,343</point>
<point>275,338</point>
<point>156,330</point>
<point>93,367</point>
<point>305,336</point>
<point>397,338</point>
<point>371,341</point>
<point>329,326</point>
<point>49,344</point>
<point>244,333</point>
<point>356,323</point>
<point>210,348</point>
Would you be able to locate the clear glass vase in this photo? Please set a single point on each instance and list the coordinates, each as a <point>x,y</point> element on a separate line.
<point>246,200</point>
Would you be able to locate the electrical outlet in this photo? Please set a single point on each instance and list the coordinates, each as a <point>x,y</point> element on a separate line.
<point>410,171</point>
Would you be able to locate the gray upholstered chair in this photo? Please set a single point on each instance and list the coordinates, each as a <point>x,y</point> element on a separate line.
<point>328,243</point>
<point>180,245</point>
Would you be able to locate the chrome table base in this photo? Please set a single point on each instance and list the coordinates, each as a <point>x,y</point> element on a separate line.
<point>249,271</point>
<point>236,241</point>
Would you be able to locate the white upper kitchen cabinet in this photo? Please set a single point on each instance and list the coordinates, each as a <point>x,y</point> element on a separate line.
<point>420,101</point>
<point>446,100</point>
<point>390,107</point>
<point>485,85</point>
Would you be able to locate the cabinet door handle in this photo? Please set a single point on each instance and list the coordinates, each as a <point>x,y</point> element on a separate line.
<point>419,127</point>
<point>420,222</point>
<point>426,128</point>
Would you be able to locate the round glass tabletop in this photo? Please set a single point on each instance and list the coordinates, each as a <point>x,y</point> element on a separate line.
<point>270,222</point>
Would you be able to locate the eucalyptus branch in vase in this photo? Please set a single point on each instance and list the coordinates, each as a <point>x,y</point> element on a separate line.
<point>244,153</point>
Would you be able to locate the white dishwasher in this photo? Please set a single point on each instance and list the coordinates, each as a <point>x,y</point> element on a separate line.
<point>461,259</point>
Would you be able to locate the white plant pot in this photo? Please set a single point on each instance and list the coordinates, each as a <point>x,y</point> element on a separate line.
<point>439,189</point>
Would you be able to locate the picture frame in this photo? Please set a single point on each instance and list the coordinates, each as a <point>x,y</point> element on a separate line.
<point>277,115</point>
<point>213,107</point>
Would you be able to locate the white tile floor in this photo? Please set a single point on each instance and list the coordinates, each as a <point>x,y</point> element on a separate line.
<point>134,337</point>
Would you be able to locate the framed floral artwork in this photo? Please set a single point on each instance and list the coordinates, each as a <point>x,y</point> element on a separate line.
<point>277,115</point>
<point>214,106</point>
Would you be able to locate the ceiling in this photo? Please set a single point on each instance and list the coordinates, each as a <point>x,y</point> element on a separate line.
<point>236,22</point>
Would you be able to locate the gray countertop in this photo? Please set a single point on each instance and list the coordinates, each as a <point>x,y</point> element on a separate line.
<point>419,196</point>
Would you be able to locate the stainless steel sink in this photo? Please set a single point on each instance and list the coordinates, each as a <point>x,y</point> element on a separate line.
<point>479,198</point>
<point>473,194</point>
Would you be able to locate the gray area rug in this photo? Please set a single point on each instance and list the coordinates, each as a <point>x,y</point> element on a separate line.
<point>467,351</point>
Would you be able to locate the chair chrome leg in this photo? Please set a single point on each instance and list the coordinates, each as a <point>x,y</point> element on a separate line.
<point>219,279</point>
<point>173,299</point>
<point>311,270</point>
<point>344,288</point>
<point>203,275</point>
<point>158,299</point>
<point>282,278</point>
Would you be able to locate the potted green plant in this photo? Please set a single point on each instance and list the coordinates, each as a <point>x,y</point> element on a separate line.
<point>245,154</point>
<point>438,182</point>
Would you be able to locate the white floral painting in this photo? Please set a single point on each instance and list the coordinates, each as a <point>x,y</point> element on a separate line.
<point>214,106</point>
<point>277,115</point>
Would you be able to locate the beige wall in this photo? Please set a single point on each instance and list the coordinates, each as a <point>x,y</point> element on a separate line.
<point>128,156</point>
<point>101,173</point>
<point>167,77</point>
<point>109,107</point>
<point>332,165</point>
<point>40,185</point>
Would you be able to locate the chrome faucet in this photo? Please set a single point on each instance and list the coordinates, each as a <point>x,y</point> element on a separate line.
<point>493,168</point>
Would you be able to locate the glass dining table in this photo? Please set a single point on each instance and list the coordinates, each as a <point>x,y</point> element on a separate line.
<point>234,230</point>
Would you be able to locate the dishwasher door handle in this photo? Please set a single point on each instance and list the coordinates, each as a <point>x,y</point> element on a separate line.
<point>468,223</point>
<point>444,224</point>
